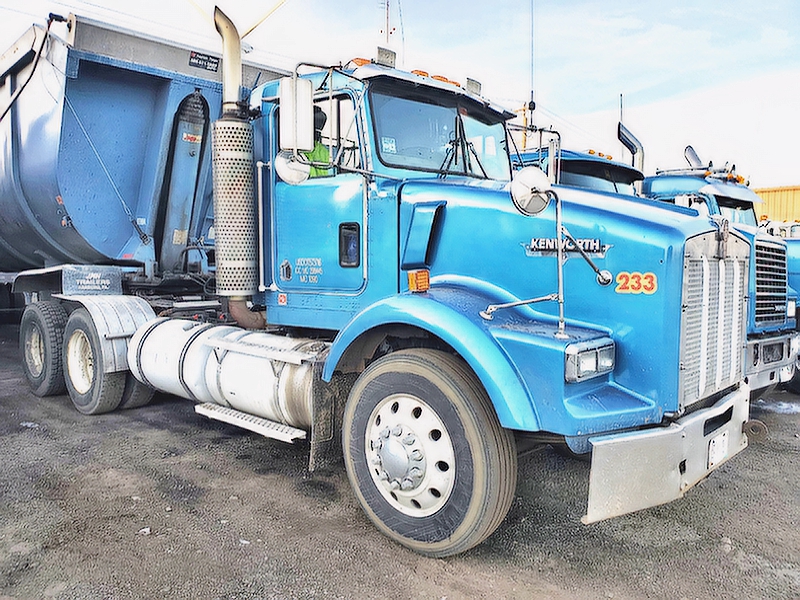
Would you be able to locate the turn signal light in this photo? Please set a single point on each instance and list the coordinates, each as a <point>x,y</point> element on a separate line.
<point>419,281</point>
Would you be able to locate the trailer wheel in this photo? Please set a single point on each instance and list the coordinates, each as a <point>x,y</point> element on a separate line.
<point>425,454</point>
<point>92,391</point>
<point>41,333</point>
<point>136,393</point>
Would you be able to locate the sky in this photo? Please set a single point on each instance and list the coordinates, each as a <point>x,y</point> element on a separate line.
<point>721,76</point>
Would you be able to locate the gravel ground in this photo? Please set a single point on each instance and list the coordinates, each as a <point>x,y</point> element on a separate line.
<point>158,502</point>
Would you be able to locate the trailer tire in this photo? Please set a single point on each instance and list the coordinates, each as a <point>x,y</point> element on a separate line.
<point>41,334</point>
<point>92,391</point>
<point>136,394</point>
<point>425,454</point>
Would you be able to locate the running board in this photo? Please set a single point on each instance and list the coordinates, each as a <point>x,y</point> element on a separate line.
<point>265,427</point>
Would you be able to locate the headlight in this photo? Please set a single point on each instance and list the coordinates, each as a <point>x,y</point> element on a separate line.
<point>585,360</point>
<point>791,306</point>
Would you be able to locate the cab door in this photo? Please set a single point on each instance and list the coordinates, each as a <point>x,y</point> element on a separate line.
<point>318,225</point>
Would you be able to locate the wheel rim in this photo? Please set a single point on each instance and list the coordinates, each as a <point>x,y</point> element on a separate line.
<point>34,351</point>
<point>80,362</point>
<point>410,455</point>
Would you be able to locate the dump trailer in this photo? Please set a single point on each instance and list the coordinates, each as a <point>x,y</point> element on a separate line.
<point>370,282</point>
<point>772,342</point>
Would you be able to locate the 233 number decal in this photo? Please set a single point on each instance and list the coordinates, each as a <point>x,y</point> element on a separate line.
<point>636,283</point>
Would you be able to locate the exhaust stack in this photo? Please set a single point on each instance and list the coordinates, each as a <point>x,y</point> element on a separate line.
<point>633,145</point>
<point>234,191</point>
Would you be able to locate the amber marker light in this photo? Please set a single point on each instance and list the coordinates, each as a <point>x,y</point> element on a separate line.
<point>419,280</point>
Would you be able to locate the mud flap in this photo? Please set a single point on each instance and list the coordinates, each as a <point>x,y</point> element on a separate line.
<point>326,434</point>
<point>641,469</point>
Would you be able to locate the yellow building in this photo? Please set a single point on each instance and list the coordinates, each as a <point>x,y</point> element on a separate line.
<point>780,203</point>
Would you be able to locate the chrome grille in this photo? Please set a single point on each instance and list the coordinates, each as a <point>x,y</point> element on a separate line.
<point>713,317</point>
<point>771,282</point>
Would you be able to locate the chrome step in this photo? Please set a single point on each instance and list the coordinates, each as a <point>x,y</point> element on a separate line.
<point>265,427</point>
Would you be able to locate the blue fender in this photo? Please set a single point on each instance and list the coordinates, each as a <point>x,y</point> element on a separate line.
<point>469,337</point>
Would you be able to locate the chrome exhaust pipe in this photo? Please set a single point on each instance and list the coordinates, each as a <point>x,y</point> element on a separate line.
<point>633,145</point>
<point>231,62</point>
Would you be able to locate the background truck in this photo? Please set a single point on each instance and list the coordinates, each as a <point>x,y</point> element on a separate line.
<point>772,344</point>
<point>410,308</point>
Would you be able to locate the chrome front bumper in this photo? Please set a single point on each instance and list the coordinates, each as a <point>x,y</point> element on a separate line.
<point>639,469</point>
<point>764,366</point>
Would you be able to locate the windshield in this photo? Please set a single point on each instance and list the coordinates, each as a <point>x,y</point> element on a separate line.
<point>430,130</point>
<point>737,211</point>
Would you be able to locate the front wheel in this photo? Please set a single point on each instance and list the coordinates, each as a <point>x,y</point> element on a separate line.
<point>425,454</point>
<point>92,391</point>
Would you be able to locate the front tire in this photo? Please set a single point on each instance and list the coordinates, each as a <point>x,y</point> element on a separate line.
<point>92,391</point>
<point>41,334</point>
<point>425,454</point>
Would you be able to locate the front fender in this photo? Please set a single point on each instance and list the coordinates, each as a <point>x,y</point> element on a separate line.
<point>453,318</point>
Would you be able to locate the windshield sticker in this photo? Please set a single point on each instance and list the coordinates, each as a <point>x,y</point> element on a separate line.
<point>388,145</point>
<point>636,283</point>
<point>594,247</point>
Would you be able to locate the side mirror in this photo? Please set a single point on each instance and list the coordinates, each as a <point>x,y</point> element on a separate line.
<point>530,190</point>
<point>297,114</point>
<point>289,169</point>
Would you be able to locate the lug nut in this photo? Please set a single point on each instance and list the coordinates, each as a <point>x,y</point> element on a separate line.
<point>409,439</point>
<point>384,476</point>
<point>398,429</point>
<point>415,472</point>
<point>407,484</point>
<point>416,455</point>
<point>385,432</point>
<point>395,485</point>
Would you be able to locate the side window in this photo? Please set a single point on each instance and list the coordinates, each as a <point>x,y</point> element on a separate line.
<point>337,131</point>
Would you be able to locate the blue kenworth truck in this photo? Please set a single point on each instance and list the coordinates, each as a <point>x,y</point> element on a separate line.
<point>343,259</point>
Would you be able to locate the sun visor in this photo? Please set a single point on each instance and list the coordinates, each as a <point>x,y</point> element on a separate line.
<point>734,191</point>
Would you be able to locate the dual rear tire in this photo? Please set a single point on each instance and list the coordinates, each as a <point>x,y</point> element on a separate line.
<point>63,352</point>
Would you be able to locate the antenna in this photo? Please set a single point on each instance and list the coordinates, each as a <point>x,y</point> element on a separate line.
<point>532,103</point>
<point>264,18</point>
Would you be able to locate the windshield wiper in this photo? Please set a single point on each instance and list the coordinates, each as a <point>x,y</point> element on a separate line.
<point>477,160</point>
<point>449,155</point>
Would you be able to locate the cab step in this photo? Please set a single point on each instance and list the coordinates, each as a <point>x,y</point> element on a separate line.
<point>265,427</point>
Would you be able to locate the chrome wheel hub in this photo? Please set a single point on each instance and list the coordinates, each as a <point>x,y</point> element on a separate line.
<point>410,455</point>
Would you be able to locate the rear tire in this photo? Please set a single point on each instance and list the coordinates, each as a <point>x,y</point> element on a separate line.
<point>41,334</point>
<point>92,391</point>
<point>135,394</point>
<point>425,454</point>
